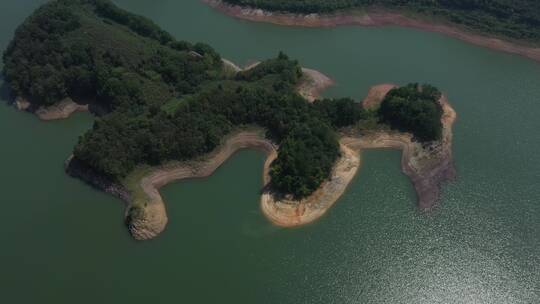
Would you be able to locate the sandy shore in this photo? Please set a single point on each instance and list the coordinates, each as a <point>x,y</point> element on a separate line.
<point>287,212</point>
<point>60,110</point>
<point>376,19</point>
<point>153,219</point>
<point>376,94</point>
<point>312,84</point>
<point>146,215</point>
<point>427,167</point>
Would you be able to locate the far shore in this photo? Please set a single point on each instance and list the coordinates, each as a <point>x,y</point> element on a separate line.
<point>375,18</point>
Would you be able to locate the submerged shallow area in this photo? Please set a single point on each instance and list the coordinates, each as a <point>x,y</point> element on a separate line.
<point>63,242</point>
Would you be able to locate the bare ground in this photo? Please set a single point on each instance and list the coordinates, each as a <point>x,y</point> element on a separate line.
<point>61,110</point>
<point>154,218</point>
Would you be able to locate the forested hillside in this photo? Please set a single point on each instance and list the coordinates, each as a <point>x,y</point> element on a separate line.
<point>518,19</point>
<point>171,100</point>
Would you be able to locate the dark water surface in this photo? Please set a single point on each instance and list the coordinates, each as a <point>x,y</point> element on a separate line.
<point>62,242</point>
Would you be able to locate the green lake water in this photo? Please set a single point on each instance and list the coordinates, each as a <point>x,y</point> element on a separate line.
<point>63,242</point>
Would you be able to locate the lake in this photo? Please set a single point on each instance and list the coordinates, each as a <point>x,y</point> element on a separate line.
<point>63,242</point>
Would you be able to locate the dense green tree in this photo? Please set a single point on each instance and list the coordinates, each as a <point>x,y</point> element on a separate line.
<point>339,112</point>
<point>414,108</point>
<point>173,100</point>
<point>306,157</point>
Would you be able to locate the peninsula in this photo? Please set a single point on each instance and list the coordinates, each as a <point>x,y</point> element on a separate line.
<point>169,109</point>
<point>503,25</point>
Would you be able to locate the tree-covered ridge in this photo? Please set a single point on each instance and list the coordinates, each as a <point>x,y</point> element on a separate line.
<point>170,100</point>
<point>519,19</point>
<point>415,109</point>
<point>166,99</point>
<point>92,49</point>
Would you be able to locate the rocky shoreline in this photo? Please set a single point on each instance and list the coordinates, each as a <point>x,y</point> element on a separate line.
<point>427,166</point>
<point>145,213</point>
<point>284,211</point>
<point>374,18</point>
<point>61,110</point>
<point>312,84</point>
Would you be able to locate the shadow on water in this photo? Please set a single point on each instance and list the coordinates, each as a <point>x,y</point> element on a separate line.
<point>6,95</point>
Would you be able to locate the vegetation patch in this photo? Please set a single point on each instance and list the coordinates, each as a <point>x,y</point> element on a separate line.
<point>170,100</point>
<point>414,109</point>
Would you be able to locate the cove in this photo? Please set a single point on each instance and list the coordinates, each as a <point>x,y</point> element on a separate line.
<point>63,242</point>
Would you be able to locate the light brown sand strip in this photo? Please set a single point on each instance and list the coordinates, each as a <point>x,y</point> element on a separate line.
<point>61,110</point>
<point>154,217</point>
<point>427,167</point>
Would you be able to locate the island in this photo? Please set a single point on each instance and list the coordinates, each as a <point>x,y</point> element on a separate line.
<point>504,25</point>
<point>168,110</point>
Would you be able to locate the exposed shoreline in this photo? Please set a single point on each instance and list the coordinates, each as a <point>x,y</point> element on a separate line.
<point>146,215</point>
<point>155,218</point>
<point>287,212</point>
<point>374,18</point>
<point>312,84</point>
<point>427,167</point>
<point>60,110</point>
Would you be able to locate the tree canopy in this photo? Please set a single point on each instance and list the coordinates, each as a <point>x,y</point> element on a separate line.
<point>172,100</point>
<point>414,108</point>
